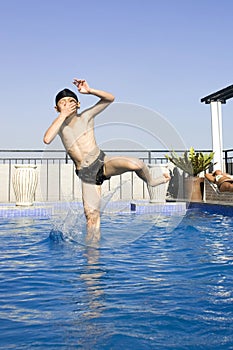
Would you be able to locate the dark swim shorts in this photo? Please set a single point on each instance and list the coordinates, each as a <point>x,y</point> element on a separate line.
<point>94,173</point>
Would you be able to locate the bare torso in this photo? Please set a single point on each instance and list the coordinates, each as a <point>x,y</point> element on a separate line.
<point>77,135</point>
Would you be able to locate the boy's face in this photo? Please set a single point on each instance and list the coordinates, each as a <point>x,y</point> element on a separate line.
<point>66,102</point>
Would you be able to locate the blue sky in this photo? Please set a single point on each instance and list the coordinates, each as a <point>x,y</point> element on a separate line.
<point>162,55</point>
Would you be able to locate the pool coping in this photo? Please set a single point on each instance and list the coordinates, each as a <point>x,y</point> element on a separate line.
<point>48,209</point>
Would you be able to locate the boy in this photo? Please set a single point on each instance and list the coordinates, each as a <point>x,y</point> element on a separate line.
<point>92,165</point>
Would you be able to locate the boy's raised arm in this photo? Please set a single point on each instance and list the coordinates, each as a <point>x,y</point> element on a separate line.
<point>84,88</point>
<point>105,97</point>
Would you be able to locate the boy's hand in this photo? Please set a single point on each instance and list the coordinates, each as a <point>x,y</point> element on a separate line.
<point>82,86</point>
<point>67,108</point>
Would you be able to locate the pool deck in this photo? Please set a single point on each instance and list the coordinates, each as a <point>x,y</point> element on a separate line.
<point>48,209</point>
<point>219,203</point>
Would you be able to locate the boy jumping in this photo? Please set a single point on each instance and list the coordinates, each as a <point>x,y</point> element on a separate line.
<point>92,165</point>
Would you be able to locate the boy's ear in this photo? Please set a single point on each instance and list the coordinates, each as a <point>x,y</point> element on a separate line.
<point>57,109</point>
<point>78,104</point>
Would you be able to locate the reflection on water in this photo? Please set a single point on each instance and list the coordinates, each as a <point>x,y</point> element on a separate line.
<point>165,289</point>
<point>92,278</point>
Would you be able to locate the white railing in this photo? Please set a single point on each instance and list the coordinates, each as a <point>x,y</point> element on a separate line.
<point>57,180</point>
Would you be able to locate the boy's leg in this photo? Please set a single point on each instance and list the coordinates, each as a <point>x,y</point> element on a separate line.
<point>119,164</point>
<point>91,195</point>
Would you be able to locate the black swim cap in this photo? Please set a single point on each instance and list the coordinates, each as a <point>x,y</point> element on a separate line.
<point>65,93</point>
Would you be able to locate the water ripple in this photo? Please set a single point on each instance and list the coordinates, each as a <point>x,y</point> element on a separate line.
<point>164,290</point>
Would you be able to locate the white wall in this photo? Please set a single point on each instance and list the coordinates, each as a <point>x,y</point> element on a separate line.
<point>59,182</point>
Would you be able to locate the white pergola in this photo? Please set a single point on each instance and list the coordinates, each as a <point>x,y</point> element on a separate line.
<point>215,100</point>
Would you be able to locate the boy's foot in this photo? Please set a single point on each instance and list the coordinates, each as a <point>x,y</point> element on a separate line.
<point>160,180</point>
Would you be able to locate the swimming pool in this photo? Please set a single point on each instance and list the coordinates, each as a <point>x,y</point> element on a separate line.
<point>167,289</point>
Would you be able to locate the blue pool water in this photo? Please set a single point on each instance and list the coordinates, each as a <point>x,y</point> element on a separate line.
<point>167,289</point>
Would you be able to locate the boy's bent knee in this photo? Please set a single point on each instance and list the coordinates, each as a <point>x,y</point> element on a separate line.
<point>137,165</point>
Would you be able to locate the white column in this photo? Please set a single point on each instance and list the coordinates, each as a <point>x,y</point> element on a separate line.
<point>217,144</point>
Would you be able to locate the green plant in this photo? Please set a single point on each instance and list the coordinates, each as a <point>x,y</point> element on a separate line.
<point>191,162</point>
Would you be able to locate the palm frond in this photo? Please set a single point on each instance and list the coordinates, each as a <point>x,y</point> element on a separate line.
<point>191,162</point>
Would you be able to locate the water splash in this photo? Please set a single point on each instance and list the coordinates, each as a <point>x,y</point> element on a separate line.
<point>69,223</point>
<point>106,199</point>
<point>56,236</point>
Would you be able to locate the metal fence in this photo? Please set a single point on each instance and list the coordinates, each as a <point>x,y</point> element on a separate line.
<point>55,169</point>
<point>228,157</point>
<point>53,161</point>
<point>56,156</point>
